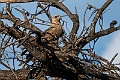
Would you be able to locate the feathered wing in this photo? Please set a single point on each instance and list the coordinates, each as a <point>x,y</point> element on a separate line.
<point>52,33</point>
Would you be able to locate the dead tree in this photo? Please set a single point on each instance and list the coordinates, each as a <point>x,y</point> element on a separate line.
<point>21,40</point>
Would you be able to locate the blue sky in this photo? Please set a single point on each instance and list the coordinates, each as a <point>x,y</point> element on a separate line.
<point>106,46</point>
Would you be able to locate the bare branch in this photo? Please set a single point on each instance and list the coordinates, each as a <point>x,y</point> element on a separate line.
<point>97,16</point>
<point>55,56</point>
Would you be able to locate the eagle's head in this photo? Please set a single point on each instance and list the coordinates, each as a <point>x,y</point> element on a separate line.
<point>56,19</point>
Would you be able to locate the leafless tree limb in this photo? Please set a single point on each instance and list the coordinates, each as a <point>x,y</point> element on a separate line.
<point>58,58</point>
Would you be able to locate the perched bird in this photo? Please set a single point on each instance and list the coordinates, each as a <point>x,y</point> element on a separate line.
<point>54,32</point>
<point>114,22</point>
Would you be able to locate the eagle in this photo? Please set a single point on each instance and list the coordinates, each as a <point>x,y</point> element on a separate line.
<point>54,31</point>
<point>49,36</point>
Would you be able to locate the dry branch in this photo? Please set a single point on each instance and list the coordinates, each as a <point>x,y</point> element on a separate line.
<point>8,75</point>
<point>50,58</point>
<point>97,16</point>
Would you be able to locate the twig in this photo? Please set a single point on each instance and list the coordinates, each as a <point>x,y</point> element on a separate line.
<point>11,69</point>
<point>12,42</point>
<point>97,16</point>
<point>113,58</point>
<point>46,11</point>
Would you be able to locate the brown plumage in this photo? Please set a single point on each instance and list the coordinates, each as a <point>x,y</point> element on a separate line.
<point>55,30</point>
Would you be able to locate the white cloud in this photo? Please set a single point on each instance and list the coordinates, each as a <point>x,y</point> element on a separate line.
<point>112,48</point>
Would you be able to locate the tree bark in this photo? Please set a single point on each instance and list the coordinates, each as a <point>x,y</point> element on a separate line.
<point>8,74</point>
